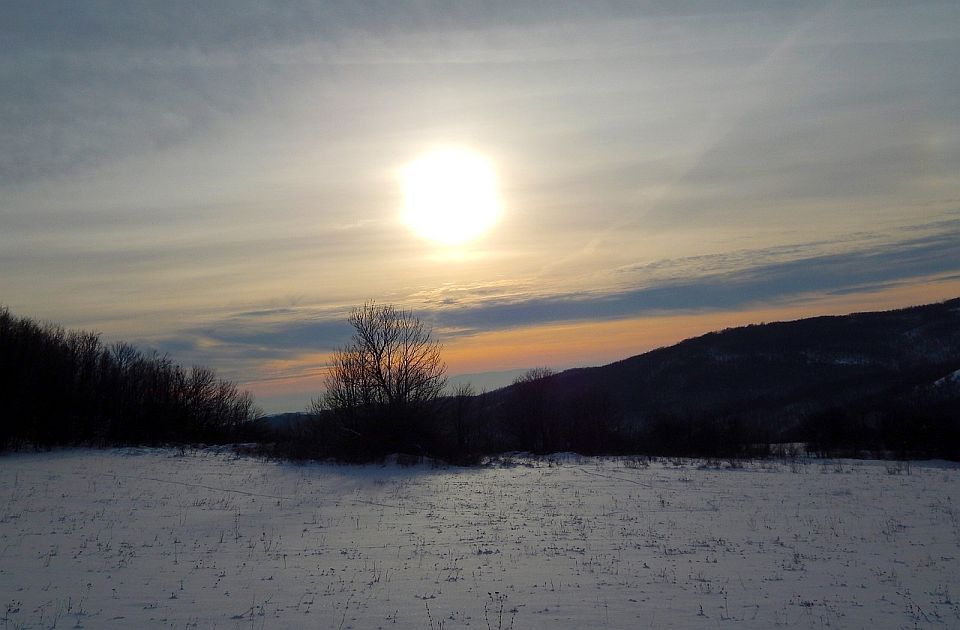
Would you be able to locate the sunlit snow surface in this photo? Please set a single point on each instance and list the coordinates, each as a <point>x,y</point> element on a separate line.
<point>152,538</point>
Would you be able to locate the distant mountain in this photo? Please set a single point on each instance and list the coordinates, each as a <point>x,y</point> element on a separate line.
<point>284,421</point>
<point>881,383</point>
<point>781,373</point>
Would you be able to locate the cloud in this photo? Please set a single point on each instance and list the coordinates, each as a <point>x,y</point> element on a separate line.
<point>173,168</point>
<point>854,271</point>
<point>723,282</point>
<point>237,344</point>
<point>282,338</point>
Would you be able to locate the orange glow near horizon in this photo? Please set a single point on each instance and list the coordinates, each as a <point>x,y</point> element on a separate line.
<point>598,343</point>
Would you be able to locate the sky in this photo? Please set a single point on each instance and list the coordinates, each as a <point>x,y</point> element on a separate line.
<point>223,181</point>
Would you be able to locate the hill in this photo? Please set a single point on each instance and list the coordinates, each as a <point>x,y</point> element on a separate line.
<point>816,379</point>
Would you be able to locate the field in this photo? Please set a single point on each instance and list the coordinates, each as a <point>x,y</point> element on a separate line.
<point>153,538</point>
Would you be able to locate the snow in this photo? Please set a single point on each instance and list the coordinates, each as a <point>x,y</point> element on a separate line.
<point>850,361</point>
<point>152,538</point>
<point>952,377</point>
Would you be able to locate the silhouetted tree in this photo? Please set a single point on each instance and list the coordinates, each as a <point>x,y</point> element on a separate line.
<point>530,411</point>
<point>62,387</point>
<point>592,423</point>
<point>460,416</point>
<point>382,387</point>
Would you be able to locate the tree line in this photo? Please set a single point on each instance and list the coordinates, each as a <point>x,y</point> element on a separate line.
<point>67,387</point>
<point>385,394</point>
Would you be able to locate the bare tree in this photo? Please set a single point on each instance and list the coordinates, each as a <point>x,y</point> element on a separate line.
<point>462,399</point>
<point>383,384</point>
<point>67,387</point>
<point>531,410</point>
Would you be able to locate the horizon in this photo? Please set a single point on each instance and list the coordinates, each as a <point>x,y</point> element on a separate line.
<point>493,380</point>
<point>545,186</point>
<point>483,382</point>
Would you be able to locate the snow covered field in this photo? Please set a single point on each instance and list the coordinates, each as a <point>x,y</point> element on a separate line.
<point>155,538</point>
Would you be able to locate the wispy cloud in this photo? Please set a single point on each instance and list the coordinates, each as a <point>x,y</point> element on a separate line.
<point>219,180</point>
<point>770,282</point>
<point>736,281</point>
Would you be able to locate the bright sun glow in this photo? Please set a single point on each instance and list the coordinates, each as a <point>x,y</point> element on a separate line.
<point>451,196</point>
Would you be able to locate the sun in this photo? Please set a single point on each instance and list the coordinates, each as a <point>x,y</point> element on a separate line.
<point>450,195</point>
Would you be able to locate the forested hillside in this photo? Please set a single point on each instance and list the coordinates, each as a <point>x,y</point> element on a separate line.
<point>62,387</point>
<point>882,379</point>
